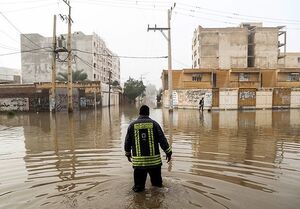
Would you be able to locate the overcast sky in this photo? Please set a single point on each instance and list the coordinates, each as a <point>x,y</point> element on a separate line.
<point>123,26</point>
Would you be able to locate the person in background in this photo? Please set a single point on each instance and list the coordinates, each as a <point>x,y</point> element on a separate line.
<point>201,104</point>
<point>142,141</point>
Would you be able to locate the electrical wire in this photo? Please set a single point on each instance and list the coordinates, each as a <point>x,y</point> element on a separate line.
<point>241,19</point>
<point>145,7</point>
<point>129,3</point>
<point>221,21</point>
<point>27,51</point>
<point>236,14</point>
<point>17,29</point>
<point>206,18</point>
<point>183,7</point>
<point>3,46</point>
<point>120,56</point>
<point>84,61</point>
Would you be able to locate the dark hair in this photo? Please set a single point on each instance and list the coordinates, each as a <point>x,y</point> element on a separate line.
<point>144,110</point>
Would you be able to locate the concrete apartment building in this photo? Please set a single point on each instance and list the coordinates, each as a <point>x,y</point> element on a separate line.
<point>249,45</point>
<point>238,67</point>
<point>90,54</point>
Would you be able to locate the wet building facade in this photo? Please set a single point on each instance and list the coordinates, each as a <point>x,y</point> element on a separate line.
<point>237,68</point>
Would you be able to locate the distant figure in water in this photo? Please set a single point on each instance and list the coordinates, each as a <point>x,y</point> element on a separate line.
<point>201,104</point>
<point>142,141</point>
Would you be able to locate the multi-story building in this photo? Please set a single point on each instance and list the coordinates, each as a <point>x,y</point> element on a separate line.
<point>89,52</point>
<point>247,46</point>
<point>9,75</point>
<point>237,67</point>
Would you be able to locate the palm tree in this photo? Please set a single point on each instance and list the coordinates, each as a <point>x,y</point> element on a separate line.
<point>77,75</point>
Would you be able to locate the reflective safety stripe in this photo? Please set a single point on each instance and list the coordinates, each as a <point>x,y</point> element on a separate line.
<point>143,125</point>
<point>137,142</point>
<point>151,142</point>
<point>169,149</point>
<point>149,127</point>
<point>146,160</point>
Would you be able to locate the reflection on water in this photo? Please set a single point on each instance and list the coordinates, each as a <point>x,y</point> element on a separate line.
<point>227,159</point>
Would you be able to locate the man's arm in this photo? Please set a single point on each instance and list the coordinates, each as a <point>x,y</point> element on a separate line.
<point>128,144</point>
<point>164,142</point>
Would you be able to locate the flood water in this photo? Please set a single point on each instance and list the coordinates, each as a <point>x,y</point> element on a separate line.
<point>226,159</point>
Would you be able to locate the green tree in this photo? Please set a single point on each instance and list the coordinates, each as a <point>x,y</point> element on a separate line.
<point>115,83</point>
<point>133,88</point>
<point>77,75</point>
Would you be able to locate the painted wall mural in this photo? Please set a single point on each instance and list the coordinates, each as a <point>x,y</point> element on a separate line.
<point>14,104</point>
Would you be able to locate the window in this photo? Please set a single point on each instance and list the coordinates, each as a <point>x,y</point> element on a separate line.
<point>197,77</point>
<point>94,75</point>
<point>293,77</point>
<point>94,64</point>
<point>298,59</point>
<point>244,77</point>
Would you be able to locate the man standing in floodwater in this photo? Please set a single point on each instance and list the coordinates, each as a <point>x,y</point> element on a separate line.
<point>142,141</point>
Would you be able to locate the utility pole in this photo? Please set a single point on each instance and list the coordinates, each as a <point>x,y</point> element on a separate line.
<point>53,86</point>
<point>69,41</point>
<point>168,38</point>
<point>109,87</point>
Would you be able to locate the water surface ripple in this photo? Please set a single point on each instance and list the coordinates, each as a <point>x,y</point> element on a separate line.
<point>226,159</point>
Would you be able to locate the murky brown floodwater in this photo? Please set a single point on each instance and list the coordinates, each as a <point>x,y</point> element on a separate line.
<point>225,159</point>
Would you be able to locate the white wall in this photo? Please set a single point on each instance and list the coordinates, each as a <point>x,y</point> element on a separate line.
<point>264,99</point>
<point>228,99</point>
<point>295,99</point>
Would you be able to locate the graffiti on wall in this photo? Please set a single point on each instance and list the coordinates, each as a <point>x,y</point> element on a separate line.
<point>14,104</point>
<point>195,96</point>
<point>62,99</point>
<point>247,95</point>
<point>39,103</point>
<point>82,102</point>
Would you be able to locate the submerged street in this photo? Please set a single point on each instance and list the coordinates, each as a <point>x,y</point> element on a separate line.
<point>226,159</point>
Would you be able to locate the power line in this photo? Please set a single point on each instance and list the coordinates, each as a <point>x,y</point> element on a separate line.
<point>117,5</point>
<point>205,18</point>
<point>129,3</point>
<point>7,47</point>
<point>27,51</point>
<point>17,29</point>
<point>220,21</point>
<point>181,63</point>
<point>234,17</point>
<point>149,5</point>
<point>121,56</point>
<point>7,35</point>
<point>237,14</point>
<point>84,61</point>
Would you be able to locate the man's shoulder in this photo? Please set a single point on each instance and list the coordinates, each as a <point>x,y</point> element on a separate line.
<point>144,120</point>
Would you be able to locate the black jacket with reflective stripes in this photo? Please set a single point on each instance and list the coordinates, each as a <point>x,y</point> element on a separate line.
<point>143,138</point>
